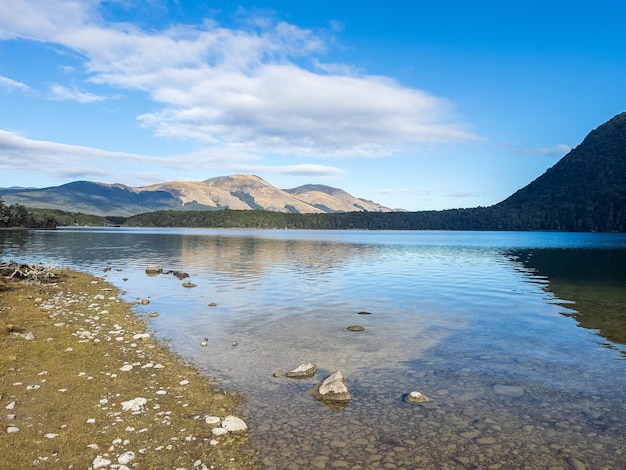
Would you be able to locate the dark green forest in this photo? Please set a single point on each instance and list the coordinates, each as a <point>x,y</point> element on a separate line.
<point>481,218</point>
<point>16,215</point>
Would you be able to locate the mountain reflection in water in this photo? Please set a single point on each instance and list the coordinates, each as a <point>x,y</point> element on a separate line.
<point>591,284</point>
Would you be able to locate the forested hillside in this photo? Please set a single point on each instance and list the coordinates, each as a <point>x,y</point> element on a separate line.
<point>584,191</point>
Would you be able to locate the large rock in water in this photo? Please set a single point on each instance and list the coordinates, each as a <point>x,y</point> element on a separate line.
<point>332,389</point>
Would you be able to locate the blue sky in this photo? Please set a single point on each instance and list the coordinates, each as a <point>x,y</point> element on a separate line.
<point>416,105</point>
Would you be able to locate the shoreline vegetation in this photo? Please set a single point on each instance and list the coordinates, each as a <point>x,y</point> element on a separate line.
<point>83,385</point>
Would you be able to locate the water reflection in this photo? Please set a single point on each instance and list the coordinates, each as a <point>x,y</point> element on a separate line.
<point>591,284</point>
<point>248,256</point>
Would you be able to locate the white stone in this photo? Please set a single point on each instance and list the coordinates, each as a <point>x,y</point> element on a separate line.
<point>10,406</point>
<point>50,435</point>
<point>33,387</point>
<point>126,367</point>
<point>234,424</point>
<point>214,442</point>
<point>219,431</point>
<point>161,392</point>
<point>212,420</point>
<point>12,429</point>
<point>91,421</point>
<point>100,462</point>
<point>136,404</point>
<point>183,382</point>
<point>141,336</point>
<point>126,458</point>
<point>303,371</point>
<point>416,397</point>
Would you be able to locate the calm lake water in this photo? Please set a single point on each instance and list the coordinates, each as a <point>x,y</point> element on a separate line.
<point>517,338</point>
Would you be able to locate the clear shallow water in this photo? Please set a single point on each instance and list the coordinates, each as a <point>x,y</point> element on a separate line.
<point>454,315</point>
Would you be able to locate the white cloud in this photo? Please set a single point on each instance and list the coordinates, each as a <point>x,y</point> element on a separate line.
<point>61,93</point>
<point>430,192</point>
<point>249,87</point>
<point>560,149</point>
<point>62,161</point>
<point>305,169</point>
<point>11,84</point>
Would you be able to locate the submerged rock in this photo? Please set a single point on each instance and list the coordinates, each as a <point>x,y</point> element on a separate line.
<point>303,371</point>
<point>153,269</point>
<point>189,284</point>
<point>355,328</point>
<point>416,397</point>
<point>333,388</point>
<point>508,390</point>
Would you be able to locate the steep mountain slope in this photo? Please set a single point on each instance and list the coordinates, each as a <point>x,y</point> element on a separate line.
<point>585,190</point>
<point>330,199</point>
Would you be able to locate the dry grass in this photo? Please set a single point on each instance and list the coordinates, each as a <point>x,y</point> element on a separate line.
<point>68,386</point>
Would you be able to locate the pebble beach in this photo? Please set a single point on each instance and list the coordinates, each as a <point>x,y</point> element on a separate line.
<point>84,385</point>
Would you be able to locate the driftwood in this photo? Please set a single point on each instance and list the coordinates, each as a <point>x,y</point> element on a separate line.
<point>31,273</point>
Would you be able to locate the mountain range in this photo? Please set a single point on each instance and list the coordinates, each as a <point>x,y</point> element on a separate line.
<point>237,192</point>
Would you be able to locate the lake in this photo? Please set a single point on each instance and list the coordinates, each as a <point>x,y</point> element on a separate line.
<point>517,338</point>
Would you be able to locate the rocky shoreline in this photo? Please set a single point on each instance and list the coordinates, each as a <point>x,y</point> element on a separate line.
<point>83,385</point>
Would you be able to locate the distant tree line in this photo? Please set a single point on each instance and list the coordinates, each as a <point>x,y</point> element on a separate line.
<point>17,215</point>
<point>604,217</point>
